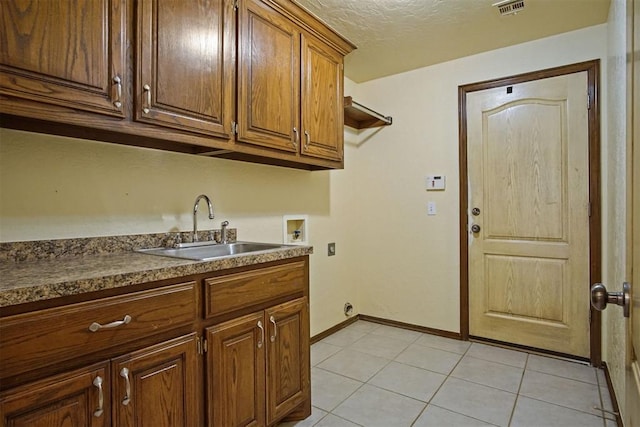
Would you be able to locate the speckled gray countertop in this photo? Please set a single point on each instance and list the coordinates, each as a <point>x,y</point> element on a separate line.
<point>36,271</point>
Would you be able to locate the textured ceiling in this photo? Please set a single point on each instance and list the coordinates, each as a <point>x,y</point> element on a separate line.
<point>400,35</point>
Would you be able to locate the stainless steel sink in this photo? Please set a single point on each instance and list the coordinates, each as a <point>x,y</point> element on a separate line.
<point>208,252</point>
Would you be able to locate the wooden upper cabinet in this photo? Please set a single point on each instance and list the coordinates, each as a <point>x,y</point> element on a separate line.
<point>322,100</point>
<point>269,75</point>
<point>290,86</point>
<point>186,65</point>
<point>68,53</point>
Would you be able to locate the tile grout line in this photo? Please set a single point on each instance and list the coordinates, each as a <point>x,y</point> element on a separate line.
<point>515,403</point>
<point>440,386</point>
<point>604,419</point>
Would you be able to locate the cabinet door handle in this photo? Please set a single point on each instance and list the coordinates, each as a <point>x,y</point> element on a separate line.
<point>307,139</point>
<point>275,328</point>
<point>147,92</point>
<point>261,342</point>
<point>98,383</point>
<point>95,326</point>
<point>117,82</point>
<point>296,138</point>
<point>124,373</point>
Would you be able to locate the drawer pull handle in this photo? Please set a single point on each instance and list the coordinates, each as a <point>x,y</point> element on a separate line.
<point>124,373</point>
<point>275,329</point>
<point>262,333</point>
<point>98,383</point>
<point>95,326</point>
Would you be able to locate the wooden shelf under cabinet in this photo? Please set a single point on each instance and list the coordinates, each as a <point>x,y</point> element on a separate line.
<point>360,117</point>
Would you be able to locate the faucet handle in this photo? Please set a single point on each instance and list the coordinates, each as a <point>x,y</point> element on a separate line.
<point>223,232</point>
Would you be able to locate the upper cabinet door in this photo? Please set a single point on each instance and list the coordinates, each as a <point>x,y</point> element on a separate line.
<point>269,76</point>
<point>186,65</point>
<point>68,53</point>
<point>322,100</point>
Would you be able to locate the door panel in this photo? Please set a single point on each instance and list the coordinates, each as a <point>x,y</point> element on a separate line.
<point>157,386</point>
<point>269,86</point>
<point>525,287</point>
<point>288,349</point>
<point>322,100</point>
<point>525,203</point>
<point>71,399</point>
<point>236,370</point>
<point>185,72</point>
<point>528,170</point>
<point>69,53</point>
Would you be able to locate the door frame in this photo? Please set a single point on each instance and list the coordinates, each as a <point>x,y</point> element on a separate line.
<point>595,237</point>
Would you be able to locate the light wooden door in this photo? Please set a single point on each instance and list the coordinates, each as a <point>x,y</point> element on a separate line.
<point>322,100</point>
<point>287,358</point>
<point>528,177</point>
<point>269,78</point>
<point>157,386</point>
<point>236,372</point>
<point>186,65</point>
<point>632,393</point>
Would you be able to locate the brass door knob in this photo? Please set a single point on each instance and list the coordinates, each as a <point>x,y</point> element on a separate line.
<point>600,298</point>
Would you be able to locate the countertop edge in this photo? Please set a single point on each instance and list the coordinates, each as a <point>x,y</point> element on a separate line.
<point>96,273</point>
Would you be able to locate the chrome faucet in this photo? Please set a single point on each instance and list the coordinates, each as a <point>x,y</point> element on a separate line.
<point>223,232</point>
<point>195,216</point>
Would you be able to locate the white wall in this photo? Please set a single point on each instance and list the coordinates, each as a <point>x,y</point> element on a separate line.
<point>409,262</point>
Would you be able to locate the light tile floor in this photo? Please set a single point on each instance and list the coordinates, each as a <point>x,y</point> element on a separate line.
<point>376,375</point>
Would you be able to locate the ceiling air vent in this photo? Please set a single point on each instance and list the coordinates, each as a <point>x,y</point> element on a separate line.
<point>509,7</point>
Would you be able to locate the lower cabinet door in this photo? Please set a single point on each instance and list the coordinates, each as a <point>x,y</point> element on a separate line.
<point>236,372</point>
<point>157,386</point>
<point>287,358</point>
<point>74,399</point>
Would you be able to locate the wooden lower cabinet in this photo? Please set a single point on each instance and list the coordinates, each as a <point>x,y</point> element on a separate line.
<point>76,399</point>
<point>140,359</point>
<point>155,387</point>
<point>258,366</point>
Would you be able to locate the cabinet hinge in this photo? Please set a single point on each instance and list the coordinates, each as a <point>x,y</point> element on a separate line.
<point>201,345</point>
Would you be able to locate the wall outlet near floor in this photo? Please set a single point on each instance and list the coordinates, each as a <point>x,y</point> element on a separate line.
<point>331,249</point>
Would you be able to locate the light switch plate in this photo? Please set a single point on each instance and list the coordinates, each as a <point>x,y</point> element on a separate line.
<point>431,208</point>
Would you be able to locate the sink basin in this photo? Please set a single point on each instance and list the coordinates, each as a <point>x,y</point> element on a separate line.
<point>208,252</point>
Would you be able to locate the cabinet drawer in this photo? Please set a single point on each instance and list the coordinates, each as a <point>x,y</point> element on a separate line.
<point>33,340</point>
<point>235,291</point>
